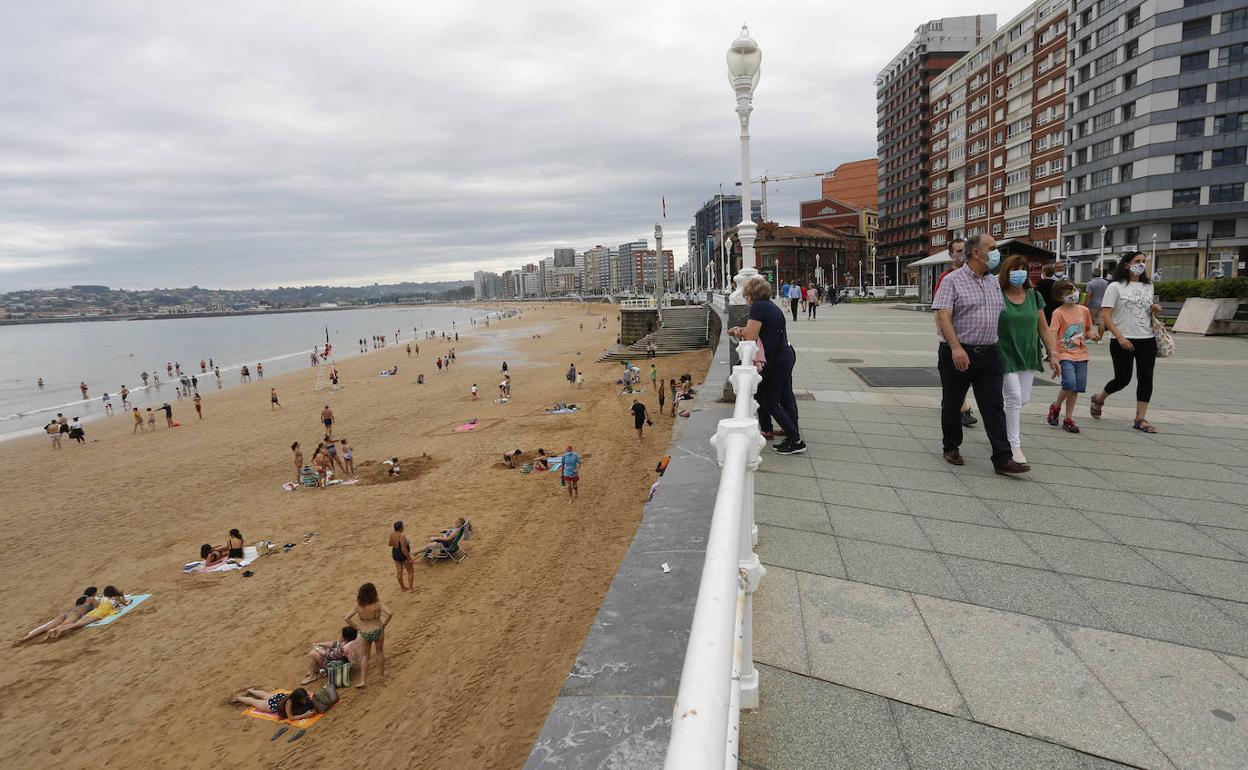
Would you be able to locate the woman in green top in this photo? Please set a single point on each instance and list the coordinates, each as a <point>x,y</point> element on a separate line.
<point>1022,328</point>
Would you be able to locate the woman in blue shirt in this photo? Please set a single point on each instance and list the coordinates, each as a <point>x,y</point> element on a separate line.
<point>767,325</point>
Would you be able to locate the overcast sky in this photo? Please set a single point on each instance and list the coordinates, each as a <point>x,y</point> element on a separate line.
<point>237,144</point>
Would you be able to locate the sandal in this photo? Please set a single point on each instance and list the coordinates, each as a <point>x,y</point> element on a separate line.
<point>1097,406</point>
<point>1143,426</point>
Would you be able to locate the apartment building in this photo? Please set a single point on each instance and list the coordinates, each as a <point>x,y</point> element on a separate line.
<point>903,117</point>
<point>1158,135</point>
<point>997,134</point>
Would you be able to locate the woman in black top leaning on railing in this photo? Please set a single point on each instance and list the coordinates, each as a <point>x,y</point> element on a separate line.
<point>767,326</point>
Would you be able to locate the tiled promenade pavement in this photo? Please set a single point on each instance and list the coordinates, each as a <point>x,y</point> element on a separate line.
<point>1090,613</point>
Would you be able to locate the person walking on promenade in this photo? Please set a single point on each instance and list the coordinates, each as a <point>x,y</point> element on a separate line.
<point>766,325</point>
<point>968,309</point>
<point>957,258</point>
<point>1092,301</point>
<point>1072,329</point>
<point>1021,329</point>
<point>812,302</point>
<point>795,297</point>
<point>1127,311</point>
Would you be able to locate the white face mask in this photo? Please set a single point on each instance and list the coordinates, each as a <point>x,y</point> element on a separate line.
<point>1137,268</point>
<point>1072,298</point>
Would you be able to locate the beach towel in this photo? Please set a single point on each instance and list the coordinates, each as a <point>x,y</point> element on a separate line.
<point>555,464</point>
<point>341,481</point>
<point>135,601</point>
<point>250,554</point>
<point>269,716</point>
<point>566,410</point>
<point>467,427</point>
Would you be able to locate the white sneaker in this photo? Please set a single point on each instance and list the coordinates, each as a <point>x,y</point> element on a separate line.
<point>1017,453</point>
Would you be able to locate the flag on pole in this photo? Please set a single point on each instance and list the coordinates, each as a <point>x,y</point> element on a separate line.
<point>665,207</point>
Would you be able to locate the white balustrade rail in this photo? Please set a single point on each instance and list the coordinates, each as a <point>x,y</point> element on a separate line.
<point>719,678</point>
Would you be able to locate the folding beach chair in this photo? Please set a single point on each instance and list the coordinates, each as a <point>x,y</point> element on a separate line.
<point>453,550</point>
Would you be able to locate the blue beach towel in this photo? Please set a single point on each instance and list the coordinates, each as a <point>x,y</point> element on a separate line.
<point>135,601</point>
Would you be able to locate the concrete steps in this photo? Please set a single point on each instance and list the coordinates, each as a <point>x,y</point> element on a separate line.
<point>681,330</point>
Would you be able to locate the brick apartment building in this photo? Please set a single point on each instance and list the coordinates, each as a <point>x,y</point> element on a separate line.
<point>902,109</point>
<point>856,182</point>
<point>997,134</point>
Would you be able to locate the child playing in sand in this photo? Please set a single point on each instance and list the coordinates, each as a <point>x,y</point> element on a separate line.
<point>511,458</point>
<point>373,617</point>
<point>138,421</point>
<point>474,391</point>
<point>348,461</point>
<point>394,467</point>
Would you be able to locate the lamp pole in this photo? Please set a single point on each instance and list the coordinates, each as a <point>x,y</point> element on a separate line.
<point>744,61</point>
<point>660,280</point>
<point>1153,267</point>
<point>1059,200</point>
<point>1104,229</point>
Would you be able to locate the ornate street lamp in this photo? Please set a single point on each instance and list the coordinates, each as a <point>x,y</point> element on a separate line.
<point>744,61</point>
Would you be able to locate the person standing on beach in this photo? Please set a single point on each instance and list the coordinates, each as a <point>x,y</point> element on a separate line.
<point>260,370</point>
<point>671,383</point>
<point>273,403</point>
<point>195,382</point>
<point>217,372</point>
<point>348,459</point>
<point>327,419</point>
<point>662,397</point>
<point>245,375</point>
<point>151,420</point>
<point>199,409</point>
<point>83,387</point>
<point>125,397</point>
<point>504,367</point>
<point>571,376</point>
<point>54,432</point>
<point>640,418</point>
<point>570,470</point>
<point>654,377</point>
<point>138,422</point>
<point>474,391</point>
<point>409,350</point>
<point>168,410</point>
<point>108,403</point>
<point>298,461</point>
<point>143,377</point>
<point>76,432</point>
<point>438,361</point>
<point>401,555</point>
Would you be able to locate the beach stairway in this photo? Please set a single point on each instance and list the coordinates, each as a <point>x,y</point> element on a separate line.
<point>681,329</point>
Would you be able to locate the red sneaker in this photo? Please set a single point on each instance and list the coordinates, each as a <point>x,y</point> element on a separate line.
<point>1069,426</point>
<point>1053,411</point>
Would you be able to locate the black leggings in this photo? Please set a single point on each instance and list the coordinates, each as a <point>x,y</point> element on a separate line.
<point>1144,356</point>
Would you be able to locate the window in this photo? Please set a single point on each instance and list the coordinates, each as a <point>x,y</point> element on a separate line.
<point>1197,28</point>
<point>1188,196</point>
<point>1193,95</point>
<point>1194,62</point>
<point>1183,231</point>
<point>1133,17</point>
<point>1226,193</point>
<point>1124,205</point>
<point>1102,149</point>
<point>1187,129</point>
<point>1131,49</point>
<point>1229,124</point>
<point>1237,19</point>
<point>1102,178</point>
<point>1017,199</point>
<point>1191,3</point>
<point>1104,91</point>
<point>1125,172</point>
<point>1133,235</point>
<point>1230,156</point>
<point>1085,241</point>
<point>1103,121</point>
<point>1188,161</point>
<point>1223,228</point>
<point>1100,209</point>
<point>1232,54</point>
<point>1129,80</point>
<point>1230,89</point>
<point>1128,111</point>
<point>1101,64</point>
<point>1110,31</point>
<point>1128,141</point>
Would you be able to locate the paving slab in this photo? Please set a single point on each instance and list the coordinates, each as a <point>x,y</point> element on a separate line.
<point>839,470</point>
<point>794,549</point>
<point>1167,615</point>
<point>936,741</point>
<point>878,526</point>
<point>1225,515</point>
<point>779,636</point>
<point>796,465</point>
<point>979,542</point>
<point>785,485</point>
<point>1222,578</point>
<point>874,639</point>
<point>937,506</point>
<point>1024,590</point>
<point>1161,535</point>
<point>794,514</point>
<point>1188,701</point>
<point>1027,517</point>
<point>1016,673</point>
<point>872,496</point>
<point>813,724</point>
<point>1108,561</point>
<point>891,566</point>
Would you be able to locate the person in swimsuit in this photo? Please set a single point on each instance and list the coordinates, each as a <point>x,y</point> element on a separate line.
<point>211,555</point>
<point>327,418</point>
<point>323,654</point>
<point>199,409</point>
<point>443,540</point>
<point>401,553</point>
<point>541,462</point>
<point>296,705</point>
<point>273,402</point>
<point>101,608</point>
<point>331,449</point>
<point>298,460</point>
<point>511,458</point>
<point>81,606</point>
<point>348,463</point>
<point>373,616</point>
<point>235,544</point>
<point>320,464</point>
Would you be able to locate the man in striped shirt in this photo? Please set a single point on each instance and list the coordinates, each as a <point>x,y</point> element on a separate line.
<point>968,308</point>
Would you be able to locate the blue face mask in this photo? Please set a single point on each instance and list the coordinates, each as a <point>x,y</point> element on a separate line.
<point>1018,277</point>
<point>994,259</point>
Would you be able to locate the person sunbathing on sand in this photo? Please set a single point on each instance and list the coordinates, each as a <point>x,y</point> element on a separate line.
<point>296,705</point>
<point>511,458</point>
<point>323,654</point>
<point>102,608</point>
<point>541,462</point>
<point>211,555</point>
<point>81,606</point>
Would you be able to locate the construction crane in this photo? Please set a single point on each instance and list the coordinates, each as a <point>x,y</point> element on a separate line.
<point>764,179</point>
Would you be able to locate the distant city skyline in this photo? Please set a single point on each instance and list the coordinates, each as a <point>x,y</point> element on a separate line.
<point>250,146</point>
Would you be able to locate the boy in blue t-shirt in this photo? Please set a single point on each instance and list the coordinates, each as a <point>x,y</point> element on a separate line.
<point>570,470</point>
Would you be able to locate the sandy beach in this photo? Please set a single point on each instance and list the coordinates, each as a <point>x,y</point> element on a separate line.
<point>474,656</point>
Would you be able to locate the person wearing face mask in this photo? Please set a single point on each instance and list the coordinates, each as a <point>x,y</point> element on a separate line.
<point>968,308</point>
<point>957,258</point>
<point>1048,277</point>
<point>1073,328</point>
<point>1022,329</point>
<point>1127,311</point>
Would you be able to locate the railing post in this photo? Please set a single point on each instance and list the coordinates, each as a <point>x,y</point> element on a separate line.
<point>752,573</point>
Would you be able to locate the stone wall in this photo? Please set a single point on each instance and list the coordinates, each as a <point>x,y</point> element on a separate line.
<point>633,324</point>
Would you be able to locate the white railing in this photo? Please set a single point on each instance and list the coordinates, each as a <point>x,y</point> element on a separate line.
<point>719,678</point>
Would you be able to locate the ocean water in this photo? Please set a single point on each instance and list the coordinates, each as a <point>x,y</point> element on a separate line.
<point>109,354</point>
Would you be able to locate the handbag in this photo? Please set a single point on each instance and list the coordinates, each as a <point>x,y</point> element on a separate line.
<point>1165,340</point>
<point>325,698</point>
<point>339,673</point>
<point>760,358</point>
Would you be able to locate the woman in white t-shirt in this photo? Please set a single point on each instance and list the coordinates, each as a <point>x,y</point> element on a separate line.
<point>1127,311</point>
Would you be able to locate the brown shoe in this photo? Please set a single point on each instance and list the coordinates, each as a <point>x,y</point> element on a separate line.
<point>1011,467</point>
<point>954,457</point>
